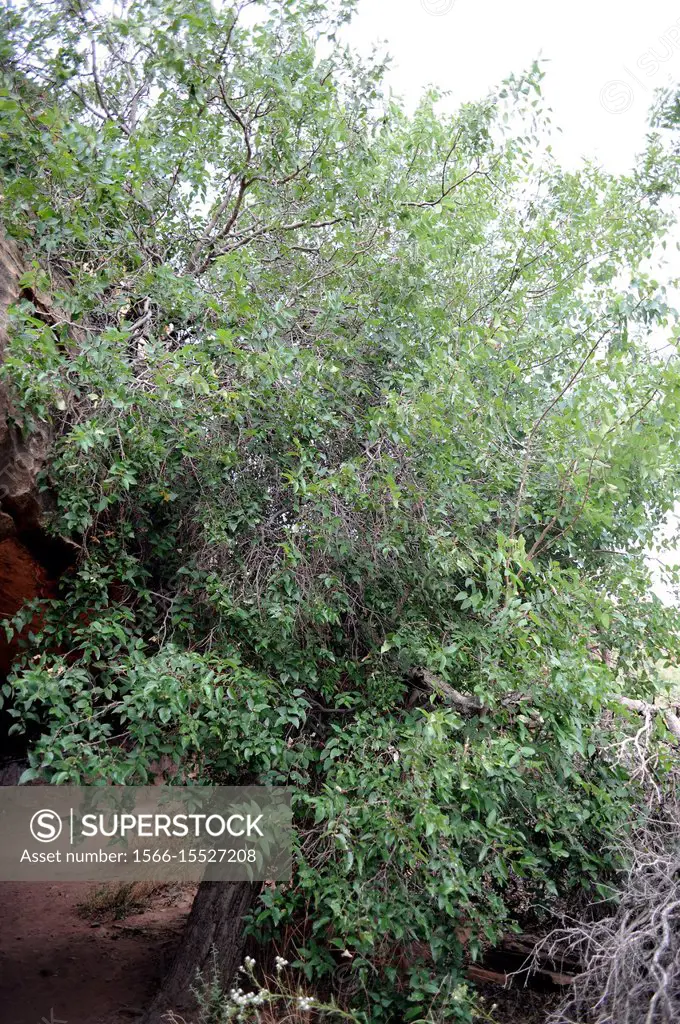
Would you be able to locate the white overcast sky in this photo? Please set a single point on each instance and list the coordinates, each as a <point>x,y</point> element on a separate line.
<point>604,59</point>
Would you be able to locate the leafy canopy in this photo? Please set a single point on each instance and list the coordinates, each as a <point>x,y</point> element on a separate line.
<point>342,400</point>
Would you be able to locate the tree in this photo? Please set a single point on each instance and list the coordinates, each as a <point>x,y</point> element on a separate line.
<point>215,924</point>
<point>358,427</point>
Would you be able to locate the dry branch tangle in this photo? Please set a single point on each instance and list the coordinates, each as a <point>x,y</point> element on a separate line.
<point>631,960</point>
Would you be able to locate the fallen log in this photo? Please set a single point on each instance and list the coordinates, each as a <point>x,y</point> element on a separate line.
<point>519,960</point>
<point>544,980</point>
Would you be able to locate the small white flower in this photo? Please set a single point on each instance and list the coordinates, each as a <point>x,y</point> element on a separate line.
<point>459,993</point>
<point>280,964</point>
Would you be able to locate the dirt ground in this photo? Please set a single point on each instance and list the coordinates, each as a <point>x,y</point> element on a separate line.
<point>58,968</point>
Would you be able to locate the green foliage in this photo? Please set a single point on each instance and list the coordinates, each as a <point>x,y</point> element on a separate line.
<point>286,1000</point>
<point>339,396</point>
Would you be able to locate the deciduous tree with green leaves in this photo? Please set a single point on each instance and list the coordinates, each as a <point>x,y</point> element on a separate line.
<point>358,427</point>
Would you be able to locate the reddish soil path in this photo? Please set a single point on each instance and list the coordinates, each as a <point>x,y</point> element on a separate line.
<point>53,962</point>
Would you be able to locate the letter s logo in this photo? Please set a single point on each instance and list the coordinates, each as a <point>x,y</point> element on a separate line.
<point>46,826</point>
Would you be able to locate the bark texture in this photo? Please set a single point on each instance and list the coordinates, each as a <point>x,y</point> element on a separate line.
<point>20,458</point>
<point>216,921</point>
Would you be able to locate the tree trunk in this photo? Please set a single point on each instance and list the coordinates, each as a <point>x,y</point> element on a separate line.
<point>215,921</point>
